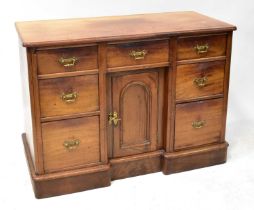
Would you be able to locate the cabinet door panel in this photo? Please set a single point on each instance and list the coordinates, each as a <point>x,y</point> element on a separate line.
<point>135,99</point>
<point>135,115</point>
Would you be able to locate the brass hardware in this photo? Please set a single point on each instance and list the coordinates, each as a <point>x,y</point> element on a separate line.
<point>201,49</point>
<point>68,62</point>
<point>198,124</point>
<point>69,97</point>
<point>113,117</point>
<point>200,82</point>
<point>138,55</point>
<point>71,144</point>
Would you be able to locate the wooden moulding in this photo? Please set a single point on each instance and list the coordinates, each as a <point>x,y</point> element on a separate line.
<point>136,165</point>
<point>194,158</point>
<point>77,180</point>
<point>68,181</point>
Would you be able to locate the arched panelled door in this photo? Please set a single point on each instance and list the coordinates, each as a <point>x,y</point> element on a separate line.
<point>134,114</point>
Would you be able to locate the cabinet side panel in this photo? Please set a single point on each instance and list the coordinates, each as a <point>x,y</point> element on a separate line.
<point>27,102</point>
<point>226,84</point>
<point>169,106</point>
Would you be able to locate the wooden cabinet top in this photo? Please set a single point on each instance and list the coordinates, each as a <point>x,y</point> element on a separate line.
<point>79,31</point>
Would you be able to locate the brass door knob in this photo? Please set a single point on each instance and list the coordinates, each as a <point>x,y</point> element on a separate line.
<point>113,118</point>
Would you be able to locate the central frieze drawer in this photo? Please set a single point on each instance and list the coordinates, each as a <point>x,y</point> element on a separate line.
<point>70,95</point>
<point>70,143</point>
<point>137,53</point>
<point>199,80</point>
<point>198,123</point>
<point>67,60</point>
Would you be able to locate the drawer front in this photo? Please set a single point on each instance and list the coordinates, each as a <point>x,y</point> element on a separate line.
<point>201,47</point>
<point>70,95</point>
<point>199,80</point>
<point>70,143</point>
<point>67,60</point>
<point>137,53</point>
<point>198,123</point>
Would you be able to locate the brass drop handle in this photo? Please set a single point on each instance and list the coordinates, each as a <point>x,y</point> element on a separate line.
<point>69,97</point>
<point>71,144</point>
<point>113,117</point>
<point>68,62</point>
<point>198,124</point>
<point>138,55</point>
<point>201,49</point>
<point>200,82</point>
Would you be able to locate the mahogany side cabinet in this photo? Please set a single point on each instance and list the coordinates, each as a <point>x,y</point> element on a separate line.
<point>114,97</point>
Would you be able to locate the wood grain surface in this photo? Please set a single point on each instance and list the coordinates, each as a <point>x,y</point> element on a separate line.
<point>57,157</point>
<point>119,54</point>
<point>135,99</point>
<point>186,88</point>
<point>48,60</point>
<point>216,46</point>
<point>75,31</point>
<point>51,91</point>
<point>209,111</point>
